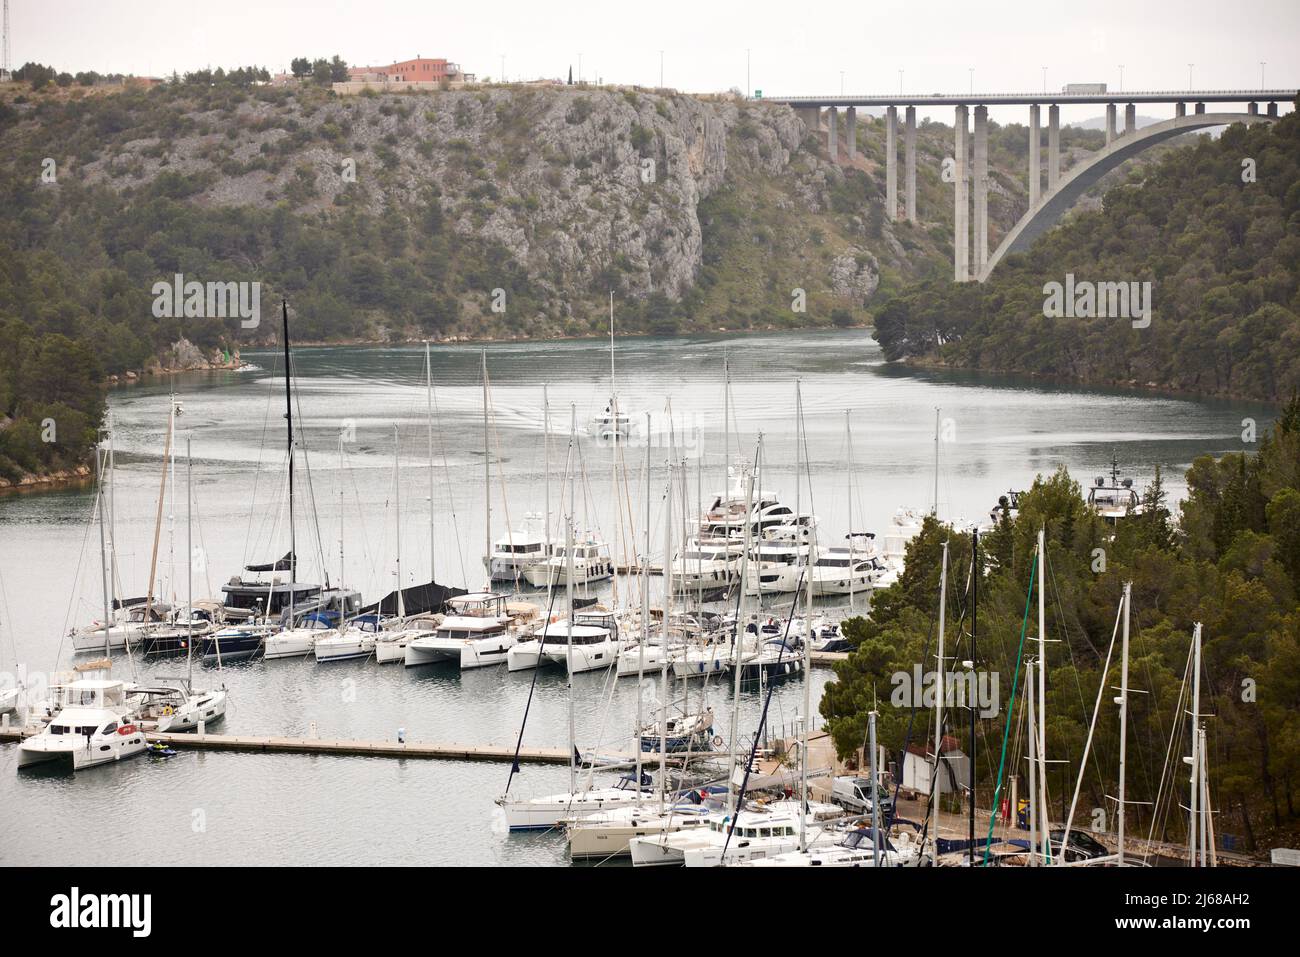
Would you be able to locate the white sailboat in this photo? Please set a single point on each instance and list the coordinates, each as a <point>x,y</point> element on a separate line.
<point>612,424</point>
<point>176,705</point>
<point>551,810</point>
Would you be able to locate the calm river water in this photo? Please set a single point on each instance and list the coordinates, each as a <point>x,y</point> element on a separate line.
<point>217,808</point>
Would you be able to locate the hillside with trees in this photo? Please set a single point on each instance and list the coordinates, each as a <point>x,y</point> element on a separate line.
<point>1213,226</point>
<point>1231,562</point>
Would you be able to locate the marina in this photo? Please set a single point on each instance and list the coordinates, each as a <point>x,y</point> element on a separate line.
<point>299,706</point>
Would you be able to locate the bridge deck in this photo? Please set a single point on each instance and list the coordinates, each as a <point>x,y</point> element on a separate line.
<point>1044,99</point>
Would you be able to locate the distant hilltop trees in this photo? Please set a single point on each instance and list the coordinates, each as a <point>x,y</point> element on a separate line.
<point>322,71</point>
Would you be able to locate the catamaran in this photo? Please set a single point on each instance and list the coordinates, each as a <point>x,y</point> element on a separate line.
<point>96,726</point>
<point>477,630</point>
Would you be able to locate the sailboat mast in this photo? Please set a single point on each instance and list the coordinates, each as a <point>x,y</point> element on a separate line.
<point>157,524</point>
<point>189,563</point>
<point>807,650</point>
<point>848,449</point>
<point>876,843</point>
<point>1123,717</point>
<point>935,512</point>
<point>341,537</point>
<point>288,419</point>
<point>112,507</point>
<point>936,787</point>
<point>1041,731</point>
<point>976,569</point>
<point>664,688</point>
<point>644,568</point>
<point>487,474</point>
<point>613,390</point>
<point>100,460</point>
<point>738,635</point>
<point>568,594</point>
<point>1194,805</point>
<point>548,545</point>
<point>1032,721</point>
<point>428,427</point>
<point>397,511</point>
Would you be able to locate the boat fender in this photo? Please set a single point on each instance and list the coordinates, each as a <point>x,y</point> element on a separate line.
<point>126,729</point>
<point>717,740</point>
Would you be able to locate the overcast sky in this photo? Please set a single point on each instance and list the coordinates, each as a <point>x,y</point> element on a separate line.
<point>803,47</point>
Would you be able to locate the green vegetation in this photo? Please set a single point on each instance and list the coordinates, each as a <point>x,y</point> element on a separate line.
<point>1232,563</point>
<point>1222,251</point>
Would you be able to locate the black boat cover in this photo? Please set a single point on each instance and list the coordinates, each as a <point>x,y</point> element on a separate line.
<point>416,600</point>
<point>283,565</point>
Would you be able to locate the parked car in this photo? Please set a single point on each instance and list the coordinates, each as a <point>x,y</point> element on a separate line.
<point>855,794</point>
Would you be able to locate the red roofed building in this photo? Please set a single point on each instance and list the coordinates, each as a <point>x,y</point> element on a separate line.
<point>419,70</point>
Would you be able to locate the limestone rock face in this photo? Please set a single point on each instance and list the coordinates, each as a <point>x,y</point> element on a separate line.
<point>570,182</point>
<point>854,276</point>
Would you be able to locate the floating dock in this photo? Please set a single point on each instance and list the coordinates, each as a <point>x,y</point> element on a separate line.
<point>500,753</point>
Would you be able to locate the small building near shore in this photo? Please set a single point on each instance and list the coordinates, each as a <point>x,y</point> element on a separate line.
<point>918,768</point>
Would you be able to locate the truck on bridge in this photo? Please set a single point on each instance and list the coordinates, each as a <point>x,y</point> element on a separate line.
<point>1084,88</point>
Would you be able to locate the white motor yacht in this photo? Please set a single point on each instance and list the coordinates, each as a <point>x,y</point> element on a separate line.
<point>845,571</point>
<point>707,565</point>
<point>591,563</point>
<point>516,552</point>
<point>96,726</point>
<point>776,567</point>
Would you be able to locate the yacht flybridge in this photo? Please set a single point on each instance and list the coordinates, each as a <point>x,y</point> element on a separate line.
<point>1115,499</point>
<point>514,553</point>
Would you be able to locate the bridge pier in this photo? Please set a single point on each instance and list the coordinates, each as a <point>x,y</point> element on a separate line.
<point>1252,109</point>
<point>1035,156</point>
<point>832,139</point>
<point>1110,123</point>
<point>1130,119</point>
<point>1200,107</point>
<point>981,188</point>
<point>851,132</point>
<point>891,163</point>
<point>909,161</point>
<point>1180,109</point>
<point>1053,146</point>
<point>1272,109</point>
<point>961,210</point>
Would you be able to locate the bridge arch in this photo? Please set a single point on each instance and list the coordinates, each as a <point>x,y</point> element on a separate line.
<point>1054,204</point>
